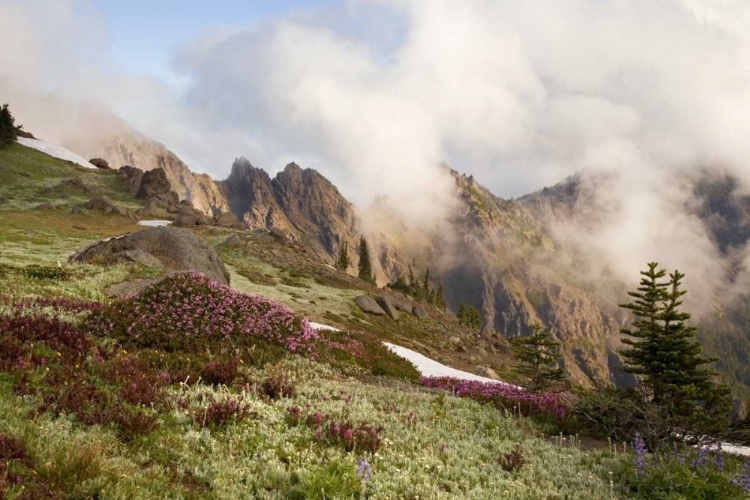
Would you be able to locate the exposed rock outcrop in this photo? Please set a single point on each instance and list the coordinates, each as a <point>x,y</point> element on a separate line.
<point>369,305</point>
<point>171,248</point>
<point>387,306</point>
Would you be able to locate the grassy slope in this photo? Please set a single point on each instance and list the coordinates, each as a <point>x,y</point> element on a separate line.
<point>435,446</point>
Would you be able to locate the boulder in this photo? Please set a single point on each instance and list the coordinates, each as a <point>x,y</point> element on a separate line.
<point>227,219</point>
<point>175,249</point>
<point>132,177</point>
<point>483,371</point>
<point>101,203</point>
<point>128,287</point>
<point>188,219</point>
<point>369,305</point>
<point>154,184</point>
<point>402,305</point>
<point>739,411</point>
<point>100,163</point>
<point>173,209</point>
<point>233,241</point>
<point>420,312</point>
<point>387,306</point>
<point>204,220</point>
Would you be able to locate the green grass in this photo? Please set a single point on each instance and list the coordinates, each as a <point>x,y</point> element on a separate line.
<point>27,177</point>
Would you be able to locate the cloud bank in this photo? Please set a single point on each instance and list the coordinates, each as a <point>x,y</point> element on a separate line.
<point>376,93</point>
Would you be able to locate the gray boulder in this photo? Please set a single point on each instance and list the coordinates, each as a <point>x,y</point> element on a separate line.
<point>101,203</point>
<point>387,306</point>
<point>233,241</point>
<point>173,248</point>
<point>420,312</point>
<point>369,305</point>
<point>227,219</point>
<point>402,305</point>
<point>185,218</point>
<point>204,220</point>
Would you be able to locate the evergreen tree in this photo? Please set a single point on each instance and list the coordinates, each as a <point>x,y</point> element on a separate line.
<point>538,356</point>
<point>411,277</point>
<point>426,285</point>
<point>664,354</point>
<point>342,263</point>
<point>469,316</point>
<point>8,129</point>
<point>399,284</point>
<point>439,299</point>
<point>365,266</point>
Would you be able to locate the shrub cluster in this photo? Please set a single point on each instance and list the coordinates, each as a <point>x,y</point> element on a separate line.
<point>352,437</point>
<point>681,471</point>
<point>364,350</point>
<point>18,477</point>
<point>218,412</point>
<point>551,405</point>
<point>53,273</point>
<point>187,310</point>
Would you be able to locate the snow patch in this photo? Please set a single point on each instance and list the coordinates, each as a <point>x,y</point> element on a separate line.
<point>154,223</point>
<point>320,326</point>
<point>56,151</point>
<point>431,368</point>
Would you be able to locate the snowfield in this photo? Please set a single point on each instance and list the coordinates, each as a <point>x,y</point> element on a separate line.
<point>154,223</point>
<point>56,151</point>
<point>426,366</point>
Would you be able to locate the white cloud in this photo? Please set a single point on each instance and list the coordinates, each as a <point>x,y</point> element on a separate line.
<point>520,94</point>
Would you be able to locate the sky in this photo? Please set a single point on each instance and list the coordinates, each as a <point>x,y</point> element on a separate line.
<point>377,94</point>
<point>143,34</point>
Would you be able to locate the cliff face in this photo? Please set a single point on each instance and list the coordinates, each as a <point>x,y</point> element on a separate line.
<point>145,154</point>
<point>299,201</point>
<point>508,268</point>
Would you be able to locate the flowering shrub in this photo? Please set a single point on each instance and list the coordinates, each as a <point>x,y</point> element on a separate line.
<point>219,412</point>
<point>363,437</point>
<point>278,386</point>
<point>221,372</point>
<point>38,339</point>
<point>506,396</point>
<point>28,305</point>
<point>188,309</point>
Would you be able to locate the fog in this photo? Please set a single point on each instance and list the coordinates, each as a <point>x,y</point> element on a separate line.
<point>376,93</point>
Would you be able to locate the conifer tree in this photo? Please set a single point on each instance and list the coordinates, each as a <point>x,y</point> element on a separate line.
<point>411,277</point>
<point>663,352</point>
<point>8,129</point>
<point>469,316</point>
<point>426,285</point>
<point>439,299</point>
<point>365,266</point>
<point>538,356</point>
<point>342,263</point>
